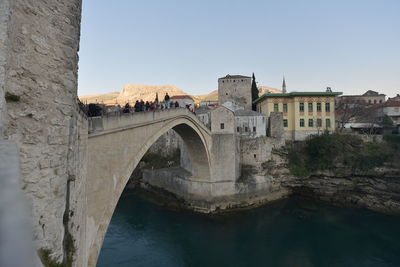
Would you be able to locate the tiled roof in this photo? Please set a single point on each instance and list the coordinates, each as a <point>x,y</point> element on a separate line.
<point>234,77</point>
<point>246,112</point>
<point>297,94</point>
<point>387,104</point>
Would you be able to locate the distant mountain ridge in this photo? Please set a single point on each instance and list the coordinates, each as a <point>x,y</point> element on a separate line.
<point>132,92</point>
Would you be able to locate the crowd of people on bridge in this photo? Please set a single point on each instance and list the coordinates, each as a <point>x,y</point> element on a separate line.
<point>139,106</point>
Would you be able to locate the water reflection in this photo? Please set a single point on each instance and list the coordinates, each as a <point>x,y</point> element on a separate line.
<point>293,232</point>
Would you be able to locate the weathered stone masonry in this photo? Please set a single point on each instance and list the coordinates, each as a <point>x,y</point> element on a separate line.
<point>39,41</point>
<point>5,7</point>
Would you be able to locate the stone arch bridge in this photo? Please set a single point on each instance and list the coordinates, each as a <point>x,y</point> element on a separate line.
<point>116,145</point>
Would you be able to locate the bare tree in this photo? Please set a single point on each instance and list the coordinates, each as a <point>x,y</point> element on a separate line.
<point>349,112</point>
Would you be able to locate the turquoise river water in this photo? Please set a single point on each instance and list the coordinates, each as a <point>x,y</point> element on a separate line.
<point>292,232</point>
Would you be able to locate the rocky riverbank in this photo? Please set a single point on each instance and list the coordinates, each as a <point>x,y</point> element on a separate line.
<point>377,190</point>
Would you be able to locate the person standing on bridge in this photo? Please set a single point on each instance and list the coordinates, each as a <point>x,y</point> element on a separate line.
<point>142,107</point>
<point>136,106</point>
<point>166,99</point>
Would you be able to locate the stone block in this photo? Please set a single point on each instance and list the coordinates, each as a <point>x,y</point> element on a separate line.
<point>57,140</point>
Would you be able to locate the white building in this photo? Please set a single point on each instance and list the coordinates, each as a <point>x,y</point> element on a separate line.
<point>231,118</point>
<point>250,124</point>
<point>183,100</point>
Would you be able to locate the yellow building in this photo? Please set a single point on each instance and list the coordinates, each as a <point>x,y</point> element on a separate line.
<point>304,113</point>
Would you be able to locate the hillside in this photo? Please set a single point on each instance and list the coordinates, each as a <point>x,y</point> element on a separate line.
<point>131,93</point>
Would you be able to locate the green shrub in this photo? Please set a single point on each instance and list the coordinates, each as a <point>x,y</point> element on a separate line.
<point>158,161</point>
<point>328,151</point>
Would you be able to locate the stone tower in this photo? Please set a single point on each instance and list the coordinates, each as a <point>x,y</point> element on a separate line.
<point>235,88</point>
<point>284,85</point>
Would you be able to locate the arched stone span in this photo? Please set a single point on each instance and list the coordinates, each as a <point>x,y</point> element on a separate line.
<point>115,147</point>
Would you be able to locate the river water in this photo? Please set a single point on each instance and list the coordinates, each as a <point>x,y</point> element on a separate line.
<point>292,232</point>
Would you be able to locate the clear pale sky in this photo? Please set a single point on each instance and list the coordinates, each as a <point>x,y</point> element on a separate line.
<point>349,45</point>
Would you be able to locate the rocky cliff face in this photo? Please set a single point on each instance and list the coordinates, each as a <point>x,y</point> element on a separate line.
<point>377,190</point>
<point>147,92</point>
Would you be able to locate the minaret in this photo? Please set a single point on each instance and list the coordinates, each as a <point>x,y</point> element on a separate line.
<point>284,86</point>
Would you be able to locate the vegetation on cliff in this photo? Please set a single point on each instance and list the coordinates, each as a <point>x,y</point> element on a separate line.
<point>158,161</point>
<point>330,151</point>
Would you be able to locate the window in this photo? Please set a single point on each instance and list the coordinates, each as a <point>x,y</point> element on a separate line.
<point>318,107</point>
<point>276,108</point>
<point>284,107</point>
<point>380,101</point>
<point>237,129</point>
<point>254,129</point>
<point>310,123</point>
<point>301,107</point>
<point>327,107</point>
<point>319,123</point>
<point>310,107</point>
<point>301,122</point>
<point>222,126</point>
<point>246,129</point>
<point>375,101</point>
<point>255,156</point>
<point>328,123</point>
<point>285,124</point>
<point>226,93</point>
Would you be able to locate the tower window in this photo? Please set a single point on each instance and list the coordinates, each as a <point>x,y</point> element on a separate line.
<point>237,129</point>
<point>226,93</point>
<point>255,156</point>
<point>222,126</point>
<point>254,128</point>
<point>246,129</point>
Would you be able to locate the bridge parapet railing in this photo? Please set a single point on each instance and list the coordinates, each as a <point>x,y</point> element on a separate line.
<point>117,121</point>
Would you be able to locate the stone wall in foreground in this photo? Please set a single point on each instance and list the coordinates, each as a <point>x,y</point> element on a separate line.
<point>5,9</point>
<point>39,68</point>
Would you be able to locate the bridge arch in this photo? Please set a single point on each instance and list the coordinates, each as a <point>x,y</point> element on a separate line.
<point>115,151</point>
